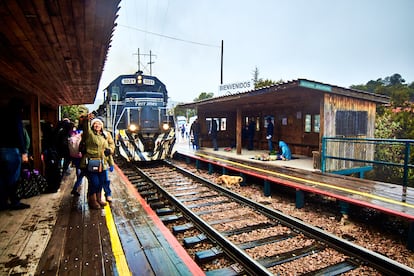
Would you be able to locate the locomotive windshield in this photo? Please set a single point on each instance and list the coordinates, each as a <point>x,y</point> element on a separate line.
<point>144,95</point>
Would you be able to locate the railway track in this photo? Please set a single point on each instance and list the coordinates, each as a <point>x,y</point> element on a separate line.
<point>228,234</point>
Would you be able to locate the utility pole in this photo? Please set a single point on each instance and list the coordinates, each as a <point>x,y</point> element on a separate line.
<point>139,60</point>
<point>221,71</point>
<point>150,63</point>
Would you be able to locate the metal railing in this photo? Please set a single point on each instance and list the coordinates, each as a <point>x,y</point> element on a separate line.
<point>391,160</point>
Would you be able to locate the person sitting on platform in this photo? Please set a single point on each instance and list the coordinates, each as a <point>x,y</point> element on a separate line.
<point>285,153</point>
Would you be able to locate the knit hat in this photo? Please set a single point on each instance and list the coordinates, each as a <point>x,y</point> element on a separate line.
<point>96,120</point>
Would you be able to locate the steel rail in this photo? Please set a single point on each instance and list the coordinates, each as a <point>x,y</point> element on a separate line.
<point>249,264</point>
<point>380,262</point>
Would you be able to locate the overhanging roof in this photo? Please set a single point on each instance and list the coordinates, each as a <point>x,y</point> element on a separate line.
<point>280,93</point>
<point>55,49</point>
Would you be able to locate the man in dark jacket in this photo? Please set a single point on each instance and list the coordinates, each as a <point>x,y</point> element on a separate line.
<point>251,128</point>
<point>269,133</point>
<point>13,152</point>
<point>213,133</point>
<point>195,131</point>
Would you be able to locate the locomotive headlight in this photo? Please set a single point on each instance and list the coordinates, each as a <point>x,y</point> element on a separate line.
<point>165,126</point>
<point>132,127</point>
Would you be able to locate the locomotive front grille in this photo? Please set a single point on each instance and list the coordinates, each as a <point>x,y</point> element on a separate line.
<point>148,142</point>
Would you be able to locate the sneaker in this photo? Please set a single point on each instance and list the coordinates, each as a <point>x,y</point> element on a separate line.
<point>75,193</point>
<point>109,199</point>
<point>19,206</point>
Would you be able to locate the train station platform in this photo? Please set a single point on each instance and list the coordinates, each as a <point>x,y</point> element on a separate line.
<point>59,235</point>
<point>299,174</point>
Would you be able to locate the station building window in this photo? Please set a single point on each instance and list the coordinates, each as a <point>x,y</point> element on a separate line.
<point>316,123</point>
<point>312,123</point>
<point>221,123</point>
<point>256,120</point>
<point>308,123</point>
<point>351,123</point>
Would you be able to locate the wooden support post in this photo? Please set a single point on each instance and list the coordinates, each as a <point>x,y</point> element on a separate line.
<point>243,183</point>
<point>267,191</point>
<point>410,241</point>
<point>300,199</point>
<point>239,129</point>
<point>344,207</point>
<point>36,132</point>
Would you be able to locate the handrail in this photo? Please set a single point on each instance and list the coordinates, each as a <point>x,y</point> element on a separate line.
<point>403,156</point>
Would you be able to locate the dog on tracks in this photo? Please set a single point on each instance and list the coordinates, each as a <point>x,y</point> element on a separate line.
<point>229,180</point>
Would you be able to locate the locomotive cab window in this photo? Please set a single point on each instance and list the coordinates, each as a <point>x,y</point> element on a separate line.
<point>115,93</point>
<point>144,95</point>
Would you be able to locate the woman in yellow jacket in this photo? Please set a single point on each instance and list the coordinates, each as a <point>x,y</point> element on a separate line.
<point>97,159</point>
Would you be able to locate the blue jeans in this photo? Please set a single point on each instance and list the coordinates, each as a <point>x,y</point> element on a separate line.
<point>270,143</point>
<point>197,146</point>
<point>96,182</point>
<point>250,143</point>
<point>106,183</point>
<point>10,165</point>
<point>79,173</point>
<point>215,143</point>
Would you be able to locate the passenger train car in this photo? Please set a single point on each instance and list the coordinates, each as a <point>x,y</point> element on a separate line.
<point>135,111</point>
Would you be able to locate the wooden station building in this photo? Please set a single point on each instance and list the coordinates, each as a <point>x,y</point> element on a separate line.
<point>52,53</point>
<point>302,111</point>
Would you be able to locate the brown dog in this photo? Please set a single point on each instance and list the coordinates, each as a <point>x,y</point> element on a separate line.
<point>229,180</point>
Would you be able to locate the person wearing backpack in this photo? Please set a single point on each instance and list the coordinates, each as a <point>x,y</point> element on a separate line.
<point>75,153</point>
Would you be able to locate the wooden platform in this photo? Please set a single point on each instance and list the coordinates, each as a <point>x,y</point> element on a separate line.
<point>59,235</point>
<point>300,175</point>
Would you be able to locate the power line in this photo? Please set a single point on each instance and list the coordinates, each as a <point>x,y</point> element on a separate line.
<point>170,37</point>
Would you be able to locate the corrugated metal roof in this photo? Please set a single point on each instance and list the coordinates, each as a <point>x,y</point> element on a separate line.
<point>299,83</point>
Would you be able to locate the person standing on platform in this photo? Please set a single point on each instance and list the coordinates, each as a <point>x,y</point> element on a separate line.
<point>107,183</point>
<point>251,128</point>
<point>76,154</point>
<point>13,152</point>
<point>61,135</point>
<point>213,133</point>
<point>269,133</point>
<point>195,132</point>
<point>186,131</point>
<point>182,130</point>
<point>96,159</point>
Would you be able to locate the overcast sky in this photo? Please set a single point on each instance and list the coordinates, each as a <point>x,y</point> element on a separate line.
<point>339,42</point>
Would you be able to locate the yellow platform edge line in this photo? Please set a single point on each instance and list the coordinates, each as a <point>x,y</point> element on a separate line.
<point>117,250</point>
<point>311,181</point>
